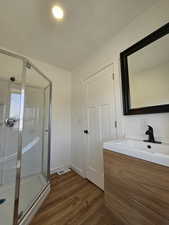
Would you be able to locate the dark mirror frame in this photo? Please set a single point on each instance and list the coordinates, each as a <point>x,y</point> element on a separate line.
<point>127,110</point>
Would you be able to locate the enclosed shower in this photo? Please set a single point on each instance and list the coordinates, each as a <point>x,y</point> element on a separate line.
<point>25,96</point>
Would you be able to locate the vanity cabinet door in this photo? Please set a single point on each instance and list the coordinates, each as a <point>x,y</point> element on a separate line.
<point>136,191</point>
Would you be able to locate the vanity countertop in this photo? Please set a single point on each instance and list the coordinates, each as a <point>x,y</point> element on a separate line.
<point>156,153</point>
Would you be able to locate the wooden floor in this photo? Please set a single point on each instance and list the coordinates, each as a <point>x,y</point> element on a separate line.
<point>73,201</point>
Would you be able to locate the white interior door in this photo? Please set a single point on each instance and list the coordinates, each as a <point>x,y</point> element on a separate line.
<point>101,122</point>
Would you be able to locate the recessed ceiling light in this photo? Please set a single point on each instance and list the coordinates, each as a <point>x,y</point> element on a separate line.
<point>58,12</point>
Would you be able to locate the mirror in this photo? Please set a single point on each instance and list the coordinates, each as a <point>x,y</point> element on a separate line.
<point>145,74</point>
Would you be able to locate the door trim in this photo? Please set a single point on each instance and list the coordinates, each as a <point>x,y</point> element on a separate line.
<point>97,72</point>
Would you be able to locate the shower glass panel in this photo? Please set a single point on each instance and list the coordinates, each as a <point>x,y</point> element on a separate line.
<point>34,163</point>
<point>10,98</point>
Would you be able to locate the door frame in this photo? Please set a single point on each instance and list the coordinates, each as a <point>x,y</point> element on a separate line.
<point>85,83</point>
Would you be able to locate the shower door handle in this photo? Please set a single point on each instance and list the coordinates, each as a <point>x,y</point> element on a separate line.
<point>10,122</point>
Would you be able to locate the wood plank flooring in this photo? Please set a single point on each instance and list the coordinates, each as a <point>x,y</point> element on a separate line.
<point>73,201</point>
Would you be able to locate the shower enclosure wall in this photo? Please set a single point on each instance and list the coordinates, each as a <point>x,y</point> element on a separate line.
<point>25,96</point>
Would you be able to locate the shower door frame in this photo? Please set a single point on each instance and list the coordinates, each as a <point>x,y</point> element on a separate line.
<point>27,64</point>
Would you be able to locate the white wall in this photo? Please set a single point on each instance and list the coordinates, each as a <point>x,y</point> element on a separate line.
<point>61,113</point>
<point>129,126</point>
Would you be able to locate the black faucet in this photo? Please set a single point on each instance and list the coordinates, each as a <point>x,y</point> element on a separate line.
<point>150,133</point>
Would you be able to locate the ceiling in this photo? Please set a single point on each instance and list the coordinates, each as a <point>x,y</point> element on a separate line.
<point>29,28</point>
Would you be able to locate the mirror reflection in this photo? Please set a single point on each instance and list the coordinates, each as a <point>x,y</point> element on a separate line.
<point>149,74</point>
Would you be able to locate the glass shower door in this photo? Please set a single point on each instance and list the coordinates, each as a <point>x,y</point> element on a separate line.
<point>11,70</point>
<point>24,138</point>
<point>34,165</point>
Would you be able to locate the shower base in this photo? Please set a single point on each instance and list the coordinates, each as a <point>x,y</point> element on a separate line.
<point>30,188</point>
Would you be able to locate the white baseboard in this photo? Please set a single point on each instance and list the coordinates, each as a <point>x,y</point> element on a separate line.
<point>78,170</point>
<point>54,170</point>
<point>73,167</point>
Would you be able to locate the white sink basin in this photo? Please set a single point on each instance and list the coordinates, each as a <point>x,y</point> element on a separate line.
<point>157,153</point>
